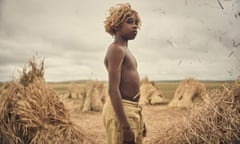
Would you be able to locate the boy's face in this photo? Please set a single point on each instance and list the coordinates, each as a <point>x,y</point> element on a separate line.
<point>128,29</point>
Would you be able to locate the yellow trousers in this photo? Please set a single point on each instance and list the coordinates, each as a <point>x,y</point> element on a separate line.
<point>133,113</point>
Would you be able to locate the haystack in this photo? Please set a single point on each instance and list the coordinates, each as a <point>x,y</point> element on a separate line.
<point>74,99</point>
<point>74,91</point>
<point>150,94</point>
<point>95,96</point>
<point>217,121</point>
<point>32,113</point>
<point>188,93</point>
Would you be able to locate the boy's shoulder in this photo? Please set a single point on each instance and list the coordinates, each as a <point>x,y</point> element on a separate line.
<point>115,50</point>
<point>115,47</point>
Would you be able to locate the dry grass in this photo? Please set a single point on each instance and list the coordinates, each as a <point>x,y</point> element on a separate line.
<point>188,93</point>
<point>162,122</point>
<point>95,96</point>
<point>32,113</point>
<point>150,93</point>
<point>217,121</point>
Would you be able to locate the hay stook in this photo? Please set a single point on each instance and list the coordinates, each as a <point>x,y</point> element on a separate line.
<point>95,96</point>
<point>75,92</point>
<point>31,112</point>
<point>216,121</point>
<point>150,94</point>
<point>188,93</point>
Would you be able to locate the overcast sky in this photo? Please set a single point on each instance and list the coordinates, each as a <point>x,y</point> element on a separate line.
<point>178,38</point>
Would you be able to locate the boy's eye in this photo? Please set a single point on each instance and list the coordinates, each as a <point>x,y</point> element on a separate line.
<point>131,21</point>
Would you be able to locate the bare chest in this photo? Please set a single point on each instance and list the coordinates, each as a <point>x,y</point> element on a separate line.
<point>130,60</point>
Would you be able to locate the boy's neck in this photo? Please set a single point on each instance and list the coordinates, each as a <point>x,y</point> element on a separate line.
<point>121,40</point>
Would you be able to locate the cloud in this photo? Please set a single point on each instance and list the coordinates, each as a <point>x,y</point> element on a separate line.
<point>177,39</point>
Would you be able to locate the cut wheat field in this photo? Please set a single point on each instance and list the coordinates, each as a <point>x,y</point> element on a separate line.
<point>157,117</point>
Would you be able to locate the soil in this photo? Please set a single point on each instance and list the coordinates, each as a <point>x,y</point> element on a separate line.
<point>156,117</point>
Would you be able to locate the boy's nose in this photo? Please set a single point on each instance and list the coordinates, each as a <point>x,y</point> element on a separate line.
<point>134,26</point>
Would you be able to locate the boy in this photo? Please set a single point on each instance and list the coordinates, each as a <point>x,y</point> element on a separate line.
<point>122,114</point>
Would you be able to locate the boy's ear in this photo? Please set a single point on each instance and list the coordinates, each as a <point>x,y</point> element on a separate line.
<point>114,28</point>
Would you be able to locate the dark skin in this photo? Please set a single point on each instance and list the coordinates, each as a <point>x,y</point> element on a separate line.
<point>124,81</point>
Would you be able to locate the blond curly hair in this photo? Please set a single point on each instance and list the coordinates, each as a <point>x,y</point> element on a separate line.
<point>117,15</point>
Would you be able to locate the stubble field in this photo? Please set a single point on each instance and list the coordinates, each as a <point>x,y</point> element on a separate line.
<point>157,117</point>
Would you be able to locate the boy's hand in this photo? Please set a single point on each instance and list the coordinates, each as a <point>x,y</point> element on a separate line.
<point>128,136</point>
<point>144,130</point>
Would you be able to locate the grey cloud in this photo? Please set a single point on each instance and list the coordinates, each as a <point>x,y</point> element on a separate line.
<point>177,39</point>
<point>10,59</point>
<point>1,5</point>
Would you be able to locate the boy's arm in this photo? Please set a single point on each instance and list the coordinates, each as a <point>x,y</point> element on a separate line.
<point>115,61</point>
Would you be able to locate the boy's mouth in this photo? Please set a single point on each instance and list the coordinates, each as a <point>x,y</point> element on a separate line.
<point>135,32</point>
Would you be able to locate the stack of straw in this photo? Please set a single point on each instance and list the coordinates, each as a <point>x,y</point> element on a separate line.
<point>32,113</point>
<point>215,122</point>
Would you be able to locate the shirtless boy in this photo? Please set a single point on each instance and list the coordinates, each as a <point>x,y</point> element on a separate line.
<point>122,114</point>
